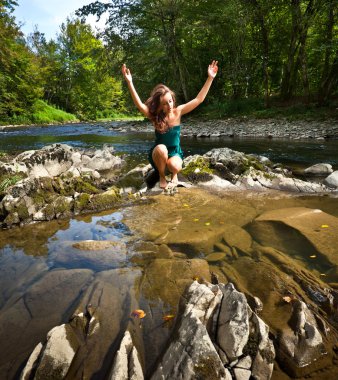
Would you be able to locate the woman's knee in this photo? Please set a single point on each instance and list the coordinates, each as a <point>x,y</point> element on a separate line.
<point>174,164</point>
<point>160,150</point>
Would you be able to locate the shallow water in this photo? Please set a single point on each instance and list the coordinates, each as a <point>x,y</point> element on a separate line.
<point>295,153</point>
<point>44,277</point>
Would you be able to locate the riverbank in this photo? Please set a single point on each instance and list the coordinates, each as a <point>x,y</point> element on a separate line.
<point>243,127</point>
<point>227,127</point>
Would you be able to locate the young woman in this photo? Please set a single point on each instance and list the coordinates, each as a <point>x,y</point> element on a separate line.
<point>161,109</point>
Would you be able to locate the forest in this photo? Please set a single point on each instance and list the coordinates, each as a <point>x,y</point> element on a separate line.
<point>270,53</point>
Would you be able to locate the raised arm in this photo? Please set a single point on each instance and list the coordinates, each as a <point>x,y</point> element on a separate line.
<point>136,99</point>
<point>188,107</point>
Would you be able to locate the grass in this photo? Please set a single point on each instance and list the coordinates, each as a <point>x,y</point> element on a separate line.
<point>9,181</point>
<point>42,113</point>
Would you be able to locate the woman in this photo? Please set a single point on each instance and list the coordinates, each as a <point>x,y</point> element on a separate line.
<point>161,109</point>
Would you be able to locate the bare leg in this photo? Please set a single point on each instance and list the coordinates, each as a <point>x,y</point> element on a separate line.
<point>175,166</point>
<point>160,157</point>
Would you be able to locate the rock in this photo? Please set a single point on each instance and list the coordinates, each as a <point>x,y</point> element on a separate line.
<point>332,180</point>
<point>215,256</point>
<point>60,181</point>
<point>235,236</point>
<point>96,255</point>
<point>31,365</point>
<point>233,323</point>
<point>242,374</point>
<point>320,169</point>
<point>192,354</point>
<point>97,245</point>
<point>58,354</point>
<point>126,363</point>
<point>299,230</point>
<point>302,346</point>
<point>35,312</point>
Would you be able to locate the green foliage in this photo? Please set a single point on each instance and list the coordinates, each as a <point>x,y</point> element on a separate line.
<point>9,180</point>
<point>43,113</point>
<point>266,49</point>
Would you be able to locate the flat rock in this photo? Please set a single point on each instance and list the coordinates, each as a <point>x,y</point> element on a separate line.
<point>298,229</point>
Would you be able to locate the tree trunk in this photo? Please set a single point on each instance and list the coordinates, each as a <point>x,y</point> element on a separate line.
<point>326,78</point>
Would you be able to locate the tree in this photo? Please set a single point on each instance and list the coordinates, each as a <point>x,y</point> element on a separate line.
<point>19,75</point>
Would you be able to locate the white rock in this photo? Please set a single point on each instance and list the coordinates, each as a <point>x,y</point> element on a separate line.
<point>332,180</point>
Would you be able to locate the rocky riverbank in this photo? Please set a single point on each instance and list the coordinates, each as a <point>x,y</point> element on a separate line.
<point>244,127</point>
<point>59,181</point>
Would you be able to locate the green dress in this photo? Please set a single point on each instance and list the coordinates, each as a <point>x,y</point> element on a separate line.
<point>171,139</point>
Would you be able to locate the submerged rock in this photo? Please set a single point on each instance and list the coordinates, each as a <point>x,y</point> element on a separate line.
<point>299,230</point>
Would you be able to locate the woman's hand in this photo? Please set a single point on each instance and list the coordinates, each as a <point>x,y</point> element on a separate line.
<point>126,73</point>
<point>212,69</point>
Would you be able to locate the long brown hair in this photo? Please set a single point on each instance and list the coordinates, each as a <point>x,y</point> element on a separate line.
<point>158,116</point>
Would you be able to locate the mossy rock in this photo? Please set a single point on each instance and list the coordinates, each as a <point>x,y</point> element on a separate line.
<point>11,219</point>
<point>62,206</point>
<point>22,212</point>
<point>198,170</point>
<point>82,186</point>
<point>81,202</point>
<point>103,201</point>
<point>49,212</point>
<point>197,166</point>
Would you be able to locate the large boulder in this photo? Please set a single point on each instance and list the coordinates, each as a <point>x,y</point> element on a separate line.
<point>332,180</point>
<point>319,169</point>
<point>242,348</point>
<point>54,160</point>
<point>224,168</point>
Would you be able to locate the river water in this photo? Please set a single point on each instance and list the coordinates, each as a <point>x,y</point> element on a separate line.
<point>45,275</point>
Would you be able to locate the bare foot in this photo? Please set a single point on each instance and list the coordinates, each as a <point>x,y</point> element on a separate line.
<point>174,179</point>
<point>163,183</point>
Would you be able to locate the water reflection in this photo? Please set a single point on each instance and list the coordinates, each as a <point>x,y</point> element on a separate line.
<point>155,251</point>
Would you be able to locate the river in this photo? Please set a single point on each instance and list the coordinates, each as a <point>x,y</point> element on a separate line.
<point>45,276</point>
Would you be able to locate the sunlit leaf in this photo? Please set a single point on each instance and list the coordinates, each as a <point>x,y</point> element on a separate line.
<point>196,220</point>
<point>313,256</point>
<point>287,299</point>
<point>138,313</point>
<point>185,205</point>
<point>168,317</point>
<point>325,226</point>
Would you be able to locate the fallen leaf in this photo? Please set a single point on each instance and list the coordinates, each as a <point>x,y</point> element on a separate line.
<point>207,223</point>
<point>185,205</point>
<point>324,226</point>
<point>287,299</point>
<point>313,256</point>
<point>168,317</point>
<point>196,220</point>
<point>138,313</point>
